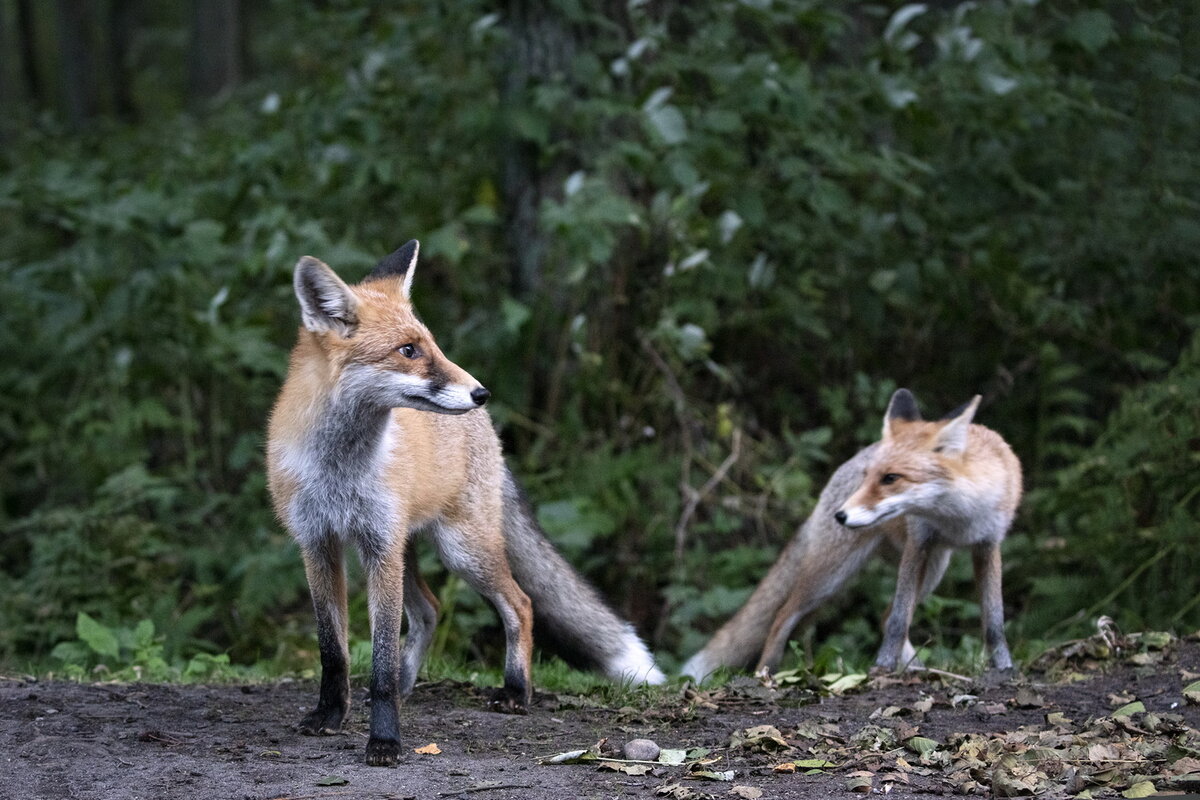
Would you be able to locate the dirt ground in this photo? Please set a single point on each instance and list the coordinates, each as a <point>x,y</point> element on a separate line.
<point>1068,731</point>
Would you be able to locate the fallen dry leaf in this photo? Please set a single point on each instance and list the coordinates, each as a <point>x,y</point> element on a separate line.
<point>760,737</point>
<point>672,756</point>
<point>1185,766</point>
<point>711,775</point>
<point>921,745</point>
<point>1139,789</point>
<point>844,683</point>
<point>860,781</point>
<point>430,749</point>
<point>636,770</point>
<point>1136,707</point>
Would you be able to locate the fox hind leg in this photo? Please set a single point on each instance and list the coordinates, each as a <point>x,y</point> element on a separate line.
<point>818,578</point>
<point>325,569</point>
<point>421,608</point>
<point>986,561</point>
<point>483,563</point>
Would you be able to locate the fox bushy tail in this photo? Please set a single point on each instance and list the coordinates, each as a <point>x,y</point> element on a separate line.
<point>567,610</point>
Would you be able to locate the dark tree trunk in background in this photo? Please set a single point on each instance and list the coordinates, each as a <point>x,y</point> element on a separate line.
<point>542,45</point>
<point>120,32</point>
<point>31,76</point>
<point>77,72</point>
<point>8,88</point>
<point>215,58</point>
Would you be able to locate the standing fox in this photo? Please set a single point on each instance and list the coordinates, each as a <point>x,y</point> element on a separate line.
<point>927,488</point>
<point>375,436</point>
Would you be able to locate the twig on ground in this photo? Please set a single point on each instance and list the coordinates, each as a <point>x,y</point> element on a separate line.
<point>486,787</point>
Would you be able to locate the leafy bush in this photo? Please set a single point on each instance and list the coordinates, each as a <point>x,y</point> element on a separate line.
<point>1120,523</point>
<point>749,223</point>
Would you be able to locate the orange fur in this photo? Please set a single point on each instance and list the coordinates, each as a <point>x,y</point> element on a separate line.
<point>377,436</point>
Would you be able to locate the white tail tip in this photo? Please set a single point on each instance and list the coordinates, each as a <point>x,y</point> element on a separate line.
<point>636,666</point>
<point>697,668</point>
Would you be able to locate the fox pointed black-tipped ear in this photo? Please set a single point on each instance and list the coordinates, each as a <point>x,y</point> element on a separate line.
<point>402,263</point>
<point>902,406</point>
<point>326,302</point>
<point>952,438</point>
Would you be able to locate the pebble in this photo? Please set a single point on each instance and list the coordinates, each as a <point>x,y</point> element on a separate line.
<point>641,750</point>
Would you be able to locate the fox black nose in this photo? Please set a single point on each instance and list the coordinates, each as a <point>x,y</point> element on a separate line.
<point>840,517</point>
<point>480,395</point>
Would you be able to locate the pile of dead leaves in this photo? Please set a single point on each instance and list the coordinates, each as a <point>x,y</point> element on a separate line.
<point>1116,748</point>
<point>1133,753</point>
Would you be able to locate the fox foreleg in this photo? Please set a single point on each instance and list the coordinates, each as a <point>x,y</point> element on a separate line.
<point>918,548</point>
<point>385,598</point>
<point>324,567</point>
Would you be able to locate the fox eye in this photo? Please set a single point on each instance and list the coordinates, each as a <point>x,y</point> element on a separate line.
<point>408,350</point>
<point>891,477</point>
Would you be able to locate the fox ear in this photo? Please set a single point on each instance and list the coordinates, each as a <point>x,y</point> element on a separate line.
<point>952,438</point>
<point>326,303</point>
<point>403,262</point>
<point>902,406</point>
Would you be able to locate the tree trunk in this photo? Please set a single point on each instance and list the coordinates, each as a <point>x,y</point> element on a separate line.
<point>120,31</point>
<point>78,64</point>
<point>215,61</point>
<point>541,46</point>
<point>8,87</point>
<point>27,49</point>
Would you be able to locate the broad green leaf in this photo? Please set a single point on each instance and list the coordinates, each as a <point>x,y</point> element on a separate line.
<point>845,683</point>
<point>921,745</point>
<point>101,639</point>
<point>1136,707</point>
<point>668,122</point>
<point>1091,29</point>
<point>672,756</point>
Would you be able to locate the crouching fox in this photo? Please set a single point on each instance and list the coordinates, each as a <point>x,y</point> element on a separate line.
<point>926,489</point>
<point>377,436</point>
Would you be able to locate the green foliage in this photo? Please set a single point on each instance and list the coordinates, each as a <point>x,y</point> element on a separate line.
<point>133,654</point>
<point>1124,515</point>
<point>752,221</point>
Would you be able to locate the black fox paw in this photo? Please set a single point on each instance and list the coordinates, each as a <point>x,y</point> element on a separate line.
<point>323,721</point>
<point>508,700</point>
<point>382,752</point>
